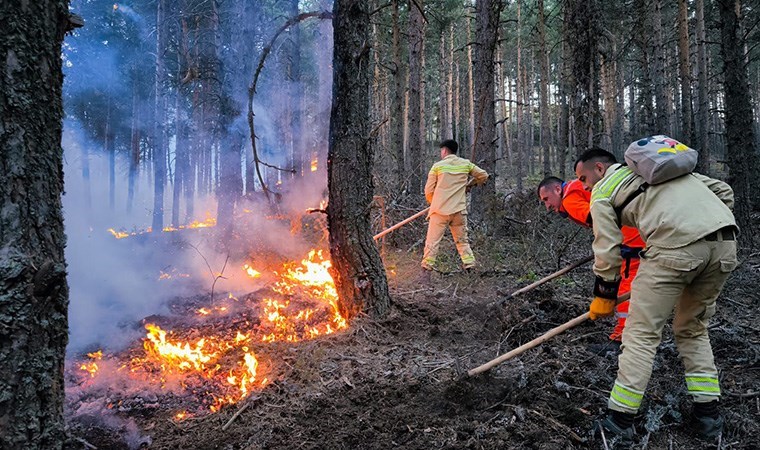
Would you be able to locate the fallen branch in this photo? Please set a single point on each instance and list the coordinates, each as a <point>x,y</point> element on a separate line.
<point>235,416</point>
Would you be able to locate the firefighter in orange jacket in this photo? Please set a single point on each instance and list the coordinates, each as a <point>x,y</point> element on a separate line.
<point>571,199</point>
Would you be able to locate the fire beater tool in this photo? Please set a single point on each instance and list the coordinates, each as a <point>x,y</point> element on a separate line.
<point>400,224</point>
<point>543,280</point>
<point>537,341</point>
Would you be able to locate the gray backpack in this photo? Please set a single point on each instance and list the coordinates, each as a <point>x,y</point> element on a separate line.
<point>658,159</point>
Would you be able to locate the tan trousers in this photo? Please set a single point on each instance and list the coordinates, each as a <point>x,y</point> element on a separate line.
<point>437,225</point>
<point>687,279</point>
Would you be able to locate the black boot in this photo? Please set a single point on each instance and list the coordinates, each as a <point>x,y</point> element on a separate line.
<point>706,420</point>
<point>617,428</point>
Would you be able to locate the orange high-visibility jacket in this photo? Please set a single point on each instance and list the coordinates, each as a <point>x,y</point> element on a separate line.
<point>576,205</point>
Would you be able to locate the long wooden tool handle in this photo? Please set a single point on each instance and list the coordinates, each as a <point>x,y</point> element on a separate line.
<point>400,224</point>
<point>547,278</point>
<point>539,340</point>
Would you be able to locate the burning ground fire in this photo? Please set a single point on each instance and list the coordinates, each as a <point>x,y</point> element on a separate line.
<point>218,360</point>
<point>208,222</point>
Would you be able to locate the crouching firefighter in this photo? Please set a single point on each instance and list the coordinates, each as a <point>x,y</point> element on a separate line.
<point>690,253</point>
<point>571,200</point>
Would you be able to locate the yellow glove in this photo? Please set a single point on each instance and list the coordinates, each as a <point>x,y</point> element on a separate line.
<point>601,307</point>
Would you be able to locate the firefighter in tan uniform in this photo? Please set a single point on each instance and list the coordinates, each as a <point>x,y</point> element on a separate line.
<point>445,190</point>
<point>690,252</point>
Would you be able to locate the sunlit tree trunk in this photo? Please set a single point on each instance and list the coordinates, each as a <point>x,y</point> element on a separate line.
<point>34,294</point>
<point>357,268</point>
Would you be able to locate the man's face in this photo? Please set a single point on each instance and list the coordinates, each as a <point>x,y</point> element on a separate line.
<point>551,196</point>
<point>589,173</point>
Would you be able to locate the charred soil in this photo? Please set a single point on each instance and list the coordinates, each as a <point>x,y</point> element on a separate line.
<point>401,382</point>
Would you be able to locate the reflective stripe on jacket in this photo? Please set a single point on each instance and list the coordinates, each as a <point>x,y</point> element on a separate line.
<point>446,185</point>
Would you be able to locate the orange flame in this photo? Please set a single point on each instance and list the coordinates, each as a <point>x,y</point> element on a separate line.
<point>314,163</point>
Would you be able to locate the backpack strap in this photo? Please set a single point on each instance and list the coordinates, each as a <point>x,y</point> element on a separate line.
<point>619,209</point>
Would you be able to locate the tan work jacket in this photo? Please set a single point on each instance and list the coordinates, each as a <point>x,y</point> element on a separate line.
<point>668,215</point>
<point>446,185</point>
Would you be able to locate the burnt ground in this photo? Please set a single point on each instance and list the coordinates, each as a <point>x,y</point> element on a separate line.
<point>400,382</point>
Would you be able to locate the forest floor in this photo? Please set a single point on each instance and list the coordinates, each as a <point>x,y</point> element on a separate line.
<point>401,382</point>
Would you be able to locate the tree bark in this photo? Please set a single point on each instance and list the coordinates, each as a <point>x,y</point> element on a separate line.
<point>483,150</point>
<point>741,152</point>
<point>584,103</point>
<point>33,289</point>
<point>357,268</point>
<point>161,141</point>
<point>397,103</point>
<point>684,69</point>
<point>544,107</point>
<point>414,111</point>
<point>703,102</point>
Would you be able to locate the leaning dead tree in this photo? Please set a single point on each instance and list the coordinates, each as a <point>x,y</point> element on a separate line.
<point>357,269</point>
<point>34,295</point>
<point>324,15</point>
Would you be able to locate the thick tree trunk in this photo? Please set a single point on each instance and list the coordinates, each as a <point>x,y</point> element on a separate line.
<point>583,34</point>
<point>483,150</point>
<point>741,152</point>
<point>357,269</point>
<point>414,111</point>
<point>33,289</point>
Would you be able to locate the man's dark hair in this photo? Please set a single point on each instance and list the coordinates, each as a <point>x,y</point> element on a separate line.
<point>451,145</point>
<point>595,154</point>
<point>548,181</point>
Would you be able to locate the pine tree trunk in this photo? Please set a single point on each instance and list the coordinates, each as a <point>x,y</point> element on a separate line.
<point>544,107</point>
<point>33,289</point>
<point>741,152</point>
<point>415,111</point>
<point>684,68</point>
<point>703,102</point>
<point>662,98</point>
<point>397,103</point>
<point>583,34</point>
<point>161,141</point>
<point>134,153</point>
<point>483,154</point>
<point>357,269</point>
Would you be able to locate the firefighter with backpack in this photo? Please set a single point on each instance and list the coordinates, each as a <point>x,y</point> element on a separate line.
<point>687,222</point>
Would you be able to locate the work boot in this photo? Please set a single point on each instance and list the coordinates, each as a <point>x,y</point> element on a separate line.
<point>615,434</point>
<point>605,348</point>
<point>706,421</point>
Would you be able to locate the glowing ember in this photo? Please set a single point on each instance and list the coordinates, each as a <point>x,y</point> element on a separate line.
<point>92,367</point>
<point>206,223</point>
<point>180,416</point>
<point>314,162</point>
<point>253,273</point>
